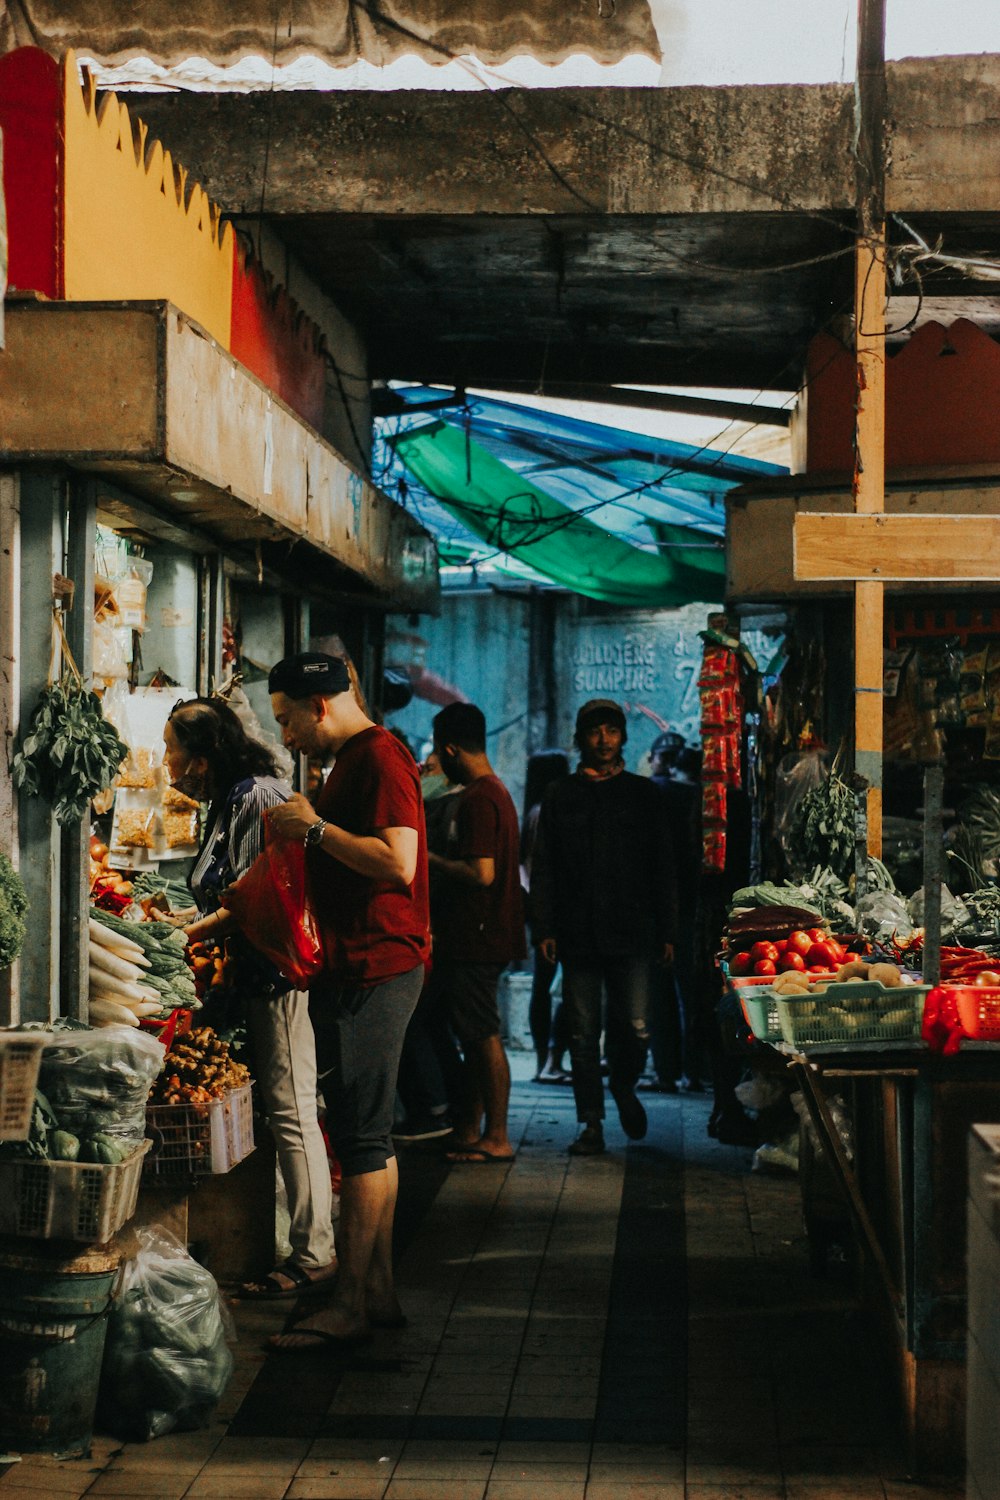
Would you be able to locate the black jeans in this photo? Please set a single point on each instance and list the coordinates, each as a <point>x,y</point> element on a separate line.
<point>627,982</point>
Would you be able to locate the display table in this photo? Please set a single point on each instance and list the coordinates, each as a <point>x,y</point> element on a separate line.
<point>905,1187</point>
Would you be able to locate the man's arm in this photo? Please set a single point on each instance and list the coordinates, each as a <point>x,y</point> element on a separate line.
<point>541,895</point>
<point>384,854</point>
<point>481,872</point>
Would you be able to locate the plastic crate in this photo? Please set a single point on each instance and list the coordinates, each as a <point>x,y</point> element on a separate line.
<point>194,1140</point>
<point>69,1200</point>
<point>20,1055</point>
<point>853,1014</point>
<point>760,1007</point>
<point>978,1008</point>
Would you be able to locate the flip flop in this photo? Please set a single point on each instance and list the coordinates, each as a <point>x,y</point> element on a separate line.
<point>478,1156</point>
<point>318,1339</point>
<point>270,1288</point>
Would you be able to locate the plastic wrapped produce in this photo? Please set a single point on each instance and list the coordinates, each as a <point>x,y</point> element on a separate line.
<point>97,1081</point>
<point>167,1360</point>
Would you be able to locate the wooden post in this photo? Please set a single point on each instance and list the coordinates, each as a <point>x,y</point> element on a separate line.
<point>869,432</point>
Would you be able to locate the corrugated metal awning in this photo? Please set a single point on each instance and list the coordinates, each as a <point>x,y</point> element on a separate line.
<point>341,32</point>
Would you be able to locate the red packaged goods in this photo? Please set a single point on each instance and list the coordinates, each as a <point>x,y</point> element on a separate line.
<point>717,666</point>
<point>714,757</point>
<point>714,849</point>
<point>718,707</point>
<point>713,801</point>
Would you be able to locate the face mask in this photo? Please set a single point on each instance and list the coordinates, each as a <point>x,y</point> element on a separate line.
<point>191,784</point>
<point>433,786</point>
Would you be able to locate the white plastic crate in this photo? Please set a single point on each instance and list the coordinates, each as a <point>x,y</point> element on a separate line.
<point>20,1055</point>
<point>69,1200</point>
<point>192,1140</point>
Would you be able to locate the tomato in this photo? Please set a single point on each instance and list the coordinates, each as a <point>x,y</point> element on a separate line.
<point>765,966</point>
<point>799,942</point>
<point>740,963</point>
<point>761,951</point>
<point>818,934</point>
<point>824,954</point>
<point>818,969</point>
<point>791,960</point>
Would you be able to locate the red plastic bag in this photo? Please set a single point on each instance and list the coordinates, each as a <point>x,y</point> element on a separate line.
<point>272,907</point>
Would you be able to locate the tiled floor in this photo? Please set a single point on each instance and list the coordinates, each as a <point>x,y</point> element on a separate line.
<point>637,1326</point>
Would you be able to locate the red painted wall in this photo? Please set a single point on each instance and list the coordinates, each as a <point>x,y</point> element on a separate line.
<point>31,120</point>
<point>942,401</point>
<point>274,339</point>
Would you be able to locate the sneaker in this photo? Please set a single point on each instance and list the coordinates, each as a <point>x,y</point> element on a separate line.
<point>426,1128</point>
<point>590,1142</point>
<point>631,1114</point>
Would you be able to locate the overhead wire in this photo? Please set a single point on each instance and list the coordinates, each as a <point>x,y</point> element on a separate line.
<point>912,255</point>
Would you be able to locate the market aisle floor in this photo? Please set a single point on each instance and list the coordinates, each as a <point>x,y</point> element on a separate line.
<point>638,1326</point>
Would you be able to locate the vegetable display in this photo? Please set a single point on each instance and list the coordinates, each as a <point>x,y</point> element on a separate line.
<point>70,752</point>
<point>198,1069</point>
<point>164,947</point>
<point>13,906</point>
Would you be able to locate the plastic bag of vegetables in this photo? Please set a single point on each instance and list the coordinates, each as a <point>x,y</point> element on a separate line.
<point>167,1360</point>
<point>97,1081</point>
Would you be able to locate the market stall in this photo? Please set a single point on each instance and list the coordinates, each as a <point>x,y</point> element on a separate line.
<point>889,1072</point>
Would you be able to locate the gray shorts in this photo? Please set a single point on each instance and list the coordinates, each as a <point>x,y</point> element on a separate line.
<point>359,1037</point>
<point>468,993</point>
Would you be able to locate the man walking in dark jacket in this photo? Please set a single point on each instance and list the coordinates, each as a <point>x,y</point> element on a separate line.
<point>602,900</point>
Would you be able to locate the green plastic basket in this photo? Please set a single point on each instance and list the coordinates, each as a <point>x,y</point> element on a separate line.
<point>760,1006</point>
<point>853,1014</point>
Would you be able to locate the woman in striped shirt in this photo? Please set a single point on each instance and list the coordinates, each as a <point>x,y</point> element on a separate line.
<point>209,756</point>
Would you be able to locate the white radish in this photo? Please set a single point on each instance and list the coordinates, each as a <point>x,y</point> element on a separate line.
<point>106,985</point>
<point>121,968</point>
<point>115,943</point>
<point>147,1008</point>
<point>107,1013</point>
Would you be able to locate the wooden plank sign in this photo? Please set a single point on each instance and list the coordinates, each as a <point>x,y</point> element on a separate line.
<point>880,547</point>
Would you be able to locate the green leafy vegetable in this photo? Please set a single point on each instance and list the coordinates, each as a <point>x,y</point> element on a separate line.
<point>70,752</point>
<point>13,905</point>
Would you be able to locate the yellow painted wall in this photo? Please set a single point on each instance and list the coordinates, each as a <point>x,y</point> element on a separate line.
<point>135,227</point>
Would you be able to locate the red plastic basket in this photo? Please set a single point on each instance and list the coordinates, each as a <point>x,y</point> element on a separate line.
<point>978,1009</point>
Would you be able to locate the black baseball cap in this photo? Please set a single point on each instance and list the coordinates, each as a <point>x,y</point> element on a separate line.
<point>307,673</point>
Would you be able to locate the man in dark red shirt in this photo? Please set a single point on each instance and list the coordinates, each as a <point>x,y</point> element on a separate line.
<point>367,857</point>
<point>479,929</point>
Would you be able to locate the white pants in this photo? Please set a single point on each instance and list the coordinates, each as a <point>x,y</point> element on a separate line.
<point>284,1048</point>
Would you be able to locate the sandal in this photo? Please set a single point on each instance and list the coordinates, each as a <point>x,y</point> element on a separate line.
<point>272,1287</point>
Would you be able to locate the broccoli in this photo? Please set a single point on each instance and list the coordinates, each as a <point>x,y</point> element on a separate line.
<point>13,905</point>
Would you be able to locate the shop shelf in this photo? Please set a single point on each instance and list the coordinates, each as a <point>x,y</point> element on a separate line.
<point>20,1055</point>
<point>193,1140</point>
<point>978,1010</point>
<point>852,1014</point>
<point>69,1200</point>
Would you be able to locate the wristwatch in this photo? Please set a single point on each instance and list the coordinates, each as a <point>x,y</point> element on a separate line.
<point>314,834</point>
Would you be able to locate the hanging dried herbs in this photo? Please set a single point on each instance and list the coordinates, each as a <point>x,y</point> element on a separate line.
<point>70,752</point>
<point>823,828</point>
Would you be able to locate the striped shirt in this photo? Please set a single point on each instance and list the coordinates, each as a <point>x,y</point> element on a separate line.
<point>235,839</point>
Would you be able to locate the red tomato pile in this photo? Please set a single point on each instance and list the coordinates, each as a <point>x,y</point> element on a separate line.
<point>811,951</point>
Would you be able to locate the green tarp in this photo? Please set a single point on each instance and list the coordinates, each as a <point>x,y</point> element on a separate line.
<point>514,516</point>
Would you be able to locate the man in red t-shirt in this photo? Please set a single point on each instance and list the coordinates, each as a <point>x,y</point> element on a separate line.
<point>366,852</point>
<point>479,929</point>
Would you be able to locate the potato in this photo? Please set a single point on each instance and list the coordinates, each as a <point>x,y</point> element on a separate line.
<point>886,975</point>
<point>855,969</point>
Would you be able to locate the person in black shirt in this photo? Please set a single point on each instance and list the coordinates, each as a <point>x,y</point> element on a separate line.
<point>602,904</point>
